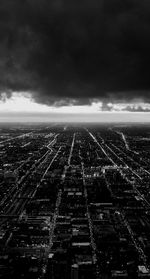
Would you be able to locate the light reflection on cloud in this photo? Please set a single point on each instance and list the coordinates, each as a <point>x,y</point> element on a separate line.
<point>23,103</point>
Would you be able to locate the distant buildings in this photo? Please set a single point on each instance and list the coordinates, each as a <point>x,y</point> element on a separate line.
<point>74,206</point>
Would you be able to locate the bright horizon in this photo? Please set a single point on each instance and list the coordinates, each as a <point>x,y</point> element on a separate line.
<point>22,108</point>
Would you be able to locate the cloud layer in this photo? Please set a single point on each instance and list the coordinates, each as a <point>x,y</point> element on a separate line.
<point>66,51</point>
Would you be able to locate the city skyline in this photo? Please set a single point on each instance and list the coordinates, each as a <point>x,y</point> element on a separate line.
<point>74,201</point>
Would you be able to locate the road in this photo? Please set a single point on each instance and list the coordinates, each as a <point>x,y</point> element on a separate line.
<point>137,245</point>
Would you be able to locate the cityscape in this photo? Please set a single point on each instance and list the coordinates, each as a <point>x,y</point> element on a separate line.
<point>74,201</point>
<point>74,139</point>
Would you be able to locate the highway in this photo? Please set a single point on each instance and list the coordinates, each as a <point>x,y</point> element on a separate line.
<point>52,225</point>
<point>18,137</point>
<point>11,203</point>
<point>14,191</point>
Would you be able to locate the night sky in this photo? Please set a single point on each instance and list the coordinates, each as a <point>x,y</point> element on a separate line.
<point>73,51</point>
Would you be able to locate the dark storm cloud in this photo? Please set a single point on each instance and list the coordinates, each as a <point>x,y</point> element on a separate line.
<point>73,51</point>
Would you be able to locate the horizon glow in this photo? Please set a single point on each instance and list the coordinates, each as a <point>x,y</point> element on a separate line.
<point>23,107</point>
